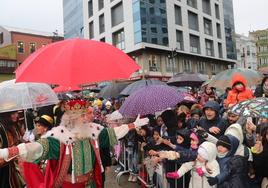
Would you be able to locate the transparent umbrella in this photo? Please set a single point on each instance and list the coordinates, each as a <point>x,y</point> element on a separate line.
<point>18,96</point>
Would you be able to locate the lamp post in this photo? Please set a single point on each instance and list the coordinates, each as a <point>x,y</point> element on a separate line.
<point>172,55</point>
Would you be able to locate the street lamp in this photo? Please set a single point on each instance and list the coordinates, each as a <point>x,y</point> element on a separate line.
<point>172,55</point>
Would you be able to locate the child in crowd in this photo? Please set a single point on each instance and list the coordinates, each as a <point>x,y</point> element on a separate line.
<point>204,166</point>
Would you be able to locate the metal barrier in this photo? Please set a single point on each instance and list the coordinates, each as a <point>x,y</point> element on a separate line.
<point>159,174</point>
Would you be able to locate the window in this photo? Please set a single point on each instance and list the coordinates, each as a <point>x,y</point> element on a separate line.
<point>101,24</point>
<point>102,39</point>
<point>217,11</point>
<point>194,44</point>
<point>201,66</point>
<point>101,4</point>
<point>206,6</point>
<point>1,38</point>
<point>207,26</point>
<point>119,39</point>
<point>209,47</point>
<point>90,8</point>
<point>91,30</point>
<point>117,14</point>
<point>153,29</point>
<point>187,65</point>
<point>193,21</point>
<point>20,47</point>
<point>32,47</point>
<point>178,19</point>
<point>218,30</point>
<point>220,49</point>
<point>151,10</point>
<point>213,68</point>
<point>169,65</point>
<point>192,3</point>
<point>179,39</point>
<point>154,41</point>
<point>154,64</point>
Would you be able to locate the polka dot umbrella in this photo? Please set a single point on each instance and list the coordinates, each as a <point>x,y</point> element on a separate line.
<point>149,100</point>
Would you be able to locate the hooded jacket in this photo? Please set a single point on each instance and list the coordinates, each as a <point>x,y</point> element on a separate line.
<point>259,90</point>
<point>196,180</point>
<point>233,168</point>
<point>235,96</point>
<point>207,124</point>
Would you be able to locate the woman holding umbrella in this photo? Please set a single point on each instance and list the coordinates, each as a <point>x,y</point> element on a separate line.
<point>10,135</point>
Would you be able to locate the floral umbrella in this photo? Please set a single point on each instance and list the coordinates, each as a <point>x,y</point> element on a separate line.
<point>18,96</point>
<point>257,107</point>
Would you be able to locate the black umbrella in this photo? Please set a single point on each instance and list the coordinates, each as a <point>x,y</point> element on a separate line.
<point>187,79</point>
<point>112,90</point>
<point>131,88</point>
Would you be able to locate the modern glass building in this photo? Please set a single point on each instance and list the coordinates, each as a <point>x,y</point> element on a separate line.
<point>73,18</point>
<point>150,22</point>
<point>163,36</point>
<point>229,29</point>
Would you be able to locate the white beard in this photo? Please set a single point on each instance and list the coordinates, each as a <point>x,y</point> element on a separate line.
<point>73,128</point>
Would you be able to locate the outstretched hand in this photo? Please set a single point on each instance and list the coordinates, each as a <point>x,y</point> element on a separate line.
<point>140,122</point>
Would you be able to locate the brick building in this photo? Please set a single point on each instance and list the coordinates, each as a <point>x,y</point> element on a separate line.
<point>17,44</point>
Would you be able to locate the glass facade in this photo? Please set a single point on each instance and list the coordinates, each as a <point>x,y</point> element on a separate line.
<point>229,28</point>
<point>150,22</point>
<point>73,18</point>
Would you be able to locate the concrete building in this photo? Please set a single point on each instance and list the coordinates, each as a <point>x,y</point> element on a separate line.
<point>17,44</point>
<point>261,38</point>
<point>246,52</point>
<point>164,37</point>
<point>73,18</point>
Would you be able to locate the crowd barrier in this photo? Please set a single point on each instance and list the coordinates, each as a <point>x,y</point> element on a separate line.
<point>160,180</point>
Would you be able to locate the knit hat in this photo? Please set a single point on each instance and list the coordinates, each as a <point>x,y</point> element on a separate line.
<point>203,153</point>
<point>225,142</point>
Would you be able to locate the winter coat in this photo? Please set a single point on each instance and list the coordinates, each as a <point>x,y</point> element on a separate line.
<point>235,96</point>
<point>207,124</point>
<point>236,131</point>
<point>233,168</point>
<point>196,180</point>
<point>259,89</point>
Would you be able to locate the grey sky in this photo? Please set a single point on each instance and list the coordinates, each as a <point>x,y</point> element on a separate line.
<point>41,15</point>
<point>46,15</point>
<point>250,15</point>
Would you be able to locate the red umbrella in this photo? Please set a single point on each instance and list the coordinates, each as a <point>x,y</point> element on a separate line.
<point>60,89</point>
<point>74,62</point>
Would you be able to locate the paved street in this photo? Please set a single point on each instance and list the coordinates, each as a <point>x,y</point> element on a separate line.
<point>111,181</point>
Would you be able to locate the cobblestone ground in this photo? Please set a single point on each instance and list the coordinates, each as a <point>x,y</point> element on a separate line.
<point>111,181</point>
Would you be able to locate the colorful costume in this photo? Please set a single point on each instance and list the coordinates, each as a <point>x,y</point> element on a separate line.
<point>9,175</point>
<point>71,151</point>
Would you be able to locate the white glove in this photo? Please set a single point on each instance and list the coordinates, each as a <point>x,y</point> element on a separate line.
<point>140,122</point>
<point>4,153</point>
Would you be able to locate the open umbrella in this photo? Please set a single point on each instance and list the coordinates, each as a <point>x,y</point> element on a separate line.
<point>18,96</point>
<point>75,62</point>
<point>257,107</point>
<point>149,100</point>
<point>60,89</point>
<point>112,90</point>
<point>187,79</point>
<point>224,78</point>
<point>186,98</point>
<point>131,88</point>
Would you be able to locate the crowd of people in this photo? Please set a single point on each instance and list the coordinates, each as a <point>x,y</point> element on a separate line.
<point>195,145</point>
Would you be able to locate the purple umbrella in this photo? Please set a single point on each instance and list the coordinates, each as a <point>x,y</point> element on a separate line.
<point>149,100</point>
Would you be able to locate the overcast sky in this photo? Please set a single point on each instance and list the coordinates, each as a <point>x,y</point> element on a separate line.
<point>46,15</point>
